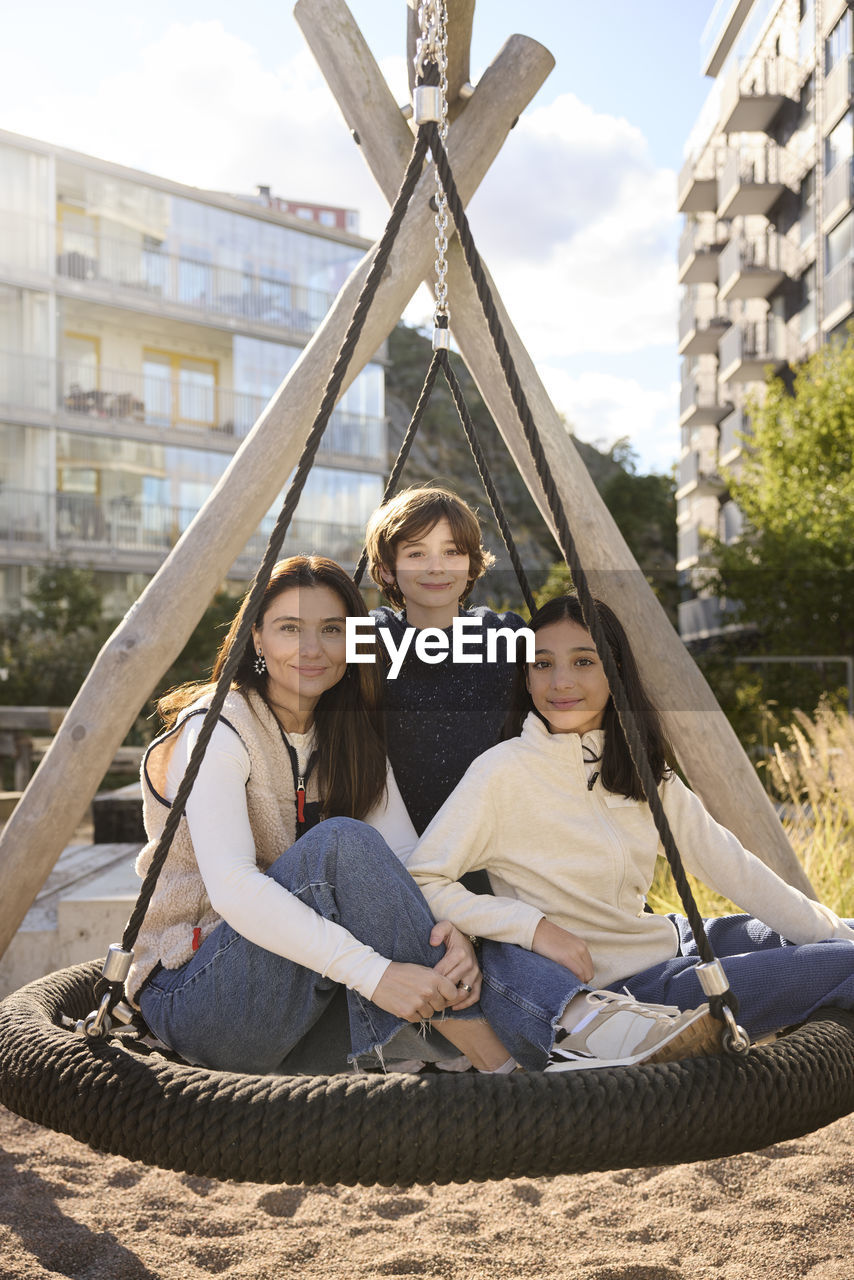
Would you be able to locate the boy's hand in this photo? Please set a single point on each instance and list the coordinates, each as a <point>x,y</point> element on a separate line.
<point>559,944</point>
<point>459,963</point>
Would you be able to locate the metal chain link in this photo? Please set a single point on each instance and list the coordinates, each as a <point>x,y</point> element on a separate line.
<point>432,46</point>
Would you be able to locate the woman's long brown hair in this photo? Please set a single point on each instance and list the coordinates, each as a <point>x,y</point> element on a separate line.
<point>351,759</point>
<point>619,774</point>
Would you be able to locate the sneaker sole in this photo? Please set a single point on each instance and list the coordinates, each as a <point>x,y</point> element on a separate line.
<point>698,1040</point>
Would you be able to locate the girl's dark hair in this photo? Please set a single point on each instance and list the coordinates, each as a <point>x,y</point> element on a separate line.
<point>618,771</point>
<point>351,758</point>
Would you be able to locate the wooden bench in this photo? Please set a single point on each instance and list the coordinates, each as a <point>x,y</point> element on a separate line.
<point>27,732</point>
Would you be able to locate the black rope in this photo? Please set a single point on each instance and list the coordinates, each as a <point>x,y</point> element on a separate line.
<point>262,577</point>
<point>486,479</point>
<point>635,743</point>
<point>441,360</point>
<point>405,448</point>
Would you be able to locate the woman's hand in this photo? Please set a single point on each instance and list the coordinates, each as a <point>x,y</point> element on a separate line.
<point>413,992</point>
<point>559,944</point>
<point>459,963</point>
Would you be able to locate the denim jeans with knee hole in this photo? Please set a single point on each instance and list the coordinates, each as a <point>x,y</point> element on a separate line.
<point>239,1007</point>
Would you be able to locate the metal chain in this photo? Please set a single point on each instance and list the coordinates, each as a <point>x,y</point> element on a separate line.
<point>432,46</point>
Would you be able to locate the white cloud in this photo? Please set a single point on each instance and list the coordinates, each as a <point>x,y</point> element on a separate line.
<point>580,228</point>
<point>602,407</point>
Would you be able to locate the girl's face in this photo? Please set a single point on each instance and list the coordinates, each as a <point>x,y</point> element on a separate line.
<point>302,638</point>
<point>566,681</point>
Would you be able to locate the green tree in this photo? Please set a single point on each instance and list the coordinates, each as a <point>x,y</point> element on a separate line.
<point>789,575</point>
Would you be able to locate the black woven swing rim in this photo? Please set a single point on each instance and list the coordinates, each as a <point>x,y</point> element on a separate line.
<point>406,1130</point>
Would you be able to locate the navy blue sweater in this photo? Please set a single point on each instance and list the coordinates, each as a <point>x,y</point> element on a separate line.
<point>439,717</point>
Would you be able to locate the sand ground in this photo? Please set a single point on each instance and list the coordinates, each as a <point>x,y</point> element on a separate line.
<point>786,1213</point>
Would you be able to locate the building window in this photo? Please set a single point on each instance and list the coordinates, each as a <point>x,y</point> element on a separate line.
<point>839,143</point>
<point>179,389</point>
<point>837,46</point>
<point>807,215</point>
<point>838,244</point>
<point>808,320</point>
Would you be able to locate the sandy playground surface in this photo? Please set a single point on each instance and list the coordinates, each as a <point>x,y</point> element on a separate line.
<point>786,1213</point>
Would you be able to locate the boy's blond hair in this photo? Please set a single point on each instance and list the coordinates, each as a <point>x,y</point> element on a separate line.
<point>408,516</point>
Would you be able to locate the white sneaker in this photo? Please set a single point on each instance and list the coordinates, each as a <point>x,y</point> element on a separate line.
<point>620,1032</point>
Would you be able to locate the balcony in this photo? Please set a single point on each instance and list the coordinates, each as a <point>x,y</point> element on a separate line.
<point>698,259</point>
<point>752,268</point>
<point>838,295</point>
<point>137,271</point>
<point>837,193</point>
<point>688,546</point>
<point>749,347</point>
<point>733,426</point>
<point>751,182</point>
<point>697,474</point>
<point>165,410</point>
<point>700,402</point>
<point>697,191</point>
<point>832,11</point>
<point>754,95</point>
<point>122,532</point>
<point>700,618</point>
<point>700,329</point>
<point>838,90</point>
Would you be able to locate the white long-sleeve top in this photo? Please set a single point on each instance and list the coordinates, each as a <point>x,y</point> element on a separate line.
<point>251,902</point>
<point>584,858</point>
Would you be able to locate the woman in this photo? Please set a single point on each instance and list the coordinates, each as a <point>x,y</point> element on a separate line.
<point>244,944</point>
<point>556,815</point>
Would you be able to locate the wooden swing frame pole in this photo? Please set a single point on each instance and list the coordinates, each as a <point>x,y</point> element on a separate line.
<point>707,747</point>
<point>155,630</point>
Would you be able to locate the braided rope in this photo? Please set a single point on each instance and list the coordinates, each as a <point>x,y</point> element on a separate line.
<point>567,544</point>
<point>262,577</point>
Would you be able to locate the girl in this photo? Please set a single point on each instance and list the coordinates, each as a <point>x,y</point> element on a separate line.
<point>556,816</point>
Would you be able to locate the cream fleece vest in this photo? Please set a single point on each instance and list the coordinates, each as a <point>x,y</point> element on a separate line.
<point>180,904</point>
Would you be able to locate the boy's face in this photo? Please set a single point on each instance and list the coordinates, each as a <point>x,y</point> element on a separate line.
<point>431,570</point>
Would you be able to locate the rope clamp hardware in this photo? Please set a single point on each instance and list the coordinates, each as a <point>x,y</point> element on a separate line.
<point>115,969</point>
<point>714,982</point>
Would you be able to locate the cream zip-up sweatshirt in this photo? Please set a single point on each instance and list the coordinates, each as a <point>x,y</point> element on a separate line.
<point>585,858</point>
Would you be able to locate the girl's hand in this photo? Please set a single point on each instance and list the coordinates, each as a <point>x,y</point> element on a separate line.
<point>413,992</point>
<point>459,963</point>
<point>559,944</point>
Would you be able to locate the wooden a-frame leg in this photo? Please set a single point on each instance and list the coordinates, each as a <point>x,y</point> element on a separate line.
<point>708,750</point>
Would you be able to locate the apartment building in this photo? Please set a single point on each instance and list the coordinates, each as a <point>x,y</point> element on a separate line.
<point>143,327</point>
<point>765,256</point>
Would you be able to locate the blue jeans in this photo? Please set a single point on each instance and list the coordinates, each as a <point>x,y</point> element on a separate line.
<point>236,1006</point>
<point>777,983</point>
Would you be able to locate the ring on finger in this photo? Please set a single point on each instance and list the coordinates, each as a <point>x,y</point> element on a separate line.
<point>465,986</point>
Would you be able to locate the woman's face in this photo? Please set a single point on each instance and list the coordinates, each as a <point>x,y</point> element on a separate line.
<point>566,681</point>
<point>301,636</point>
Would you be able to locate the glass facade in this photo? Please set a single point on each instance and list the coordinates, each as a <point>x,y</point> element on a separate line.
<point>117,416</point>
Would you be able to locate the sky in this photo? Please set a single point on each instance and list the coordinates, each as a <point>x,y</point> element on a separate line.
<point>576,219</point>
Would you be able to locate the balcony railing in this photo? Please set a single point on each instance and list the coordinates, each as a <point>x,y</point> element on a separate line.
<point>730,439</point>
<point>688,547</point>
<point>139,268</point>
<point>698,255</point>
<point>749,347</point>
<point>112,398</point>
<point>752,180</point>
<point>754,94</point>
<point>838,192</point>
<point>697,189</point>
<point>838,294</point>
<point>699,618</point>
<point>700,327</point>
<point>102,529</point>
<point>753,268</point>
<point>697,470</point>
<point>700,401</point>
<point>838,89</point>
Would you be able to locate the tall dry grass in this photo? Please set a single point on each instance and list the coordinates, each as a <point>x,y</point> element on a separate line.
<point>812,776</point>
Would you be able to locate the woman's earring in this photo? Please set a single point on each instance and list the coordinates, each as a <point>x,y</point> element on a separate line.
<point>260,664</point>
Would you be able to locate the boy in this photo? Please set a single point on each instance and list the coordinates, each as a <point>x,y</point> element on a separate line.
<point>425,552</point>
